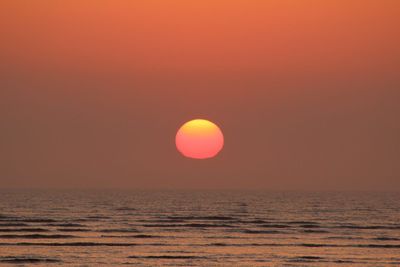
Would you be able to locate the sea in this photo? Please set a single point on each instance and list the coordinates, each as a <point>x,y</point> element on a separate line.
<point>198,228</point>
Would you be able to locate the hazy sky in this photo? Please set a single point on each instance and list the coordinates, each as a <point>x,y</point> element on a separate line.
<point>307,93</point>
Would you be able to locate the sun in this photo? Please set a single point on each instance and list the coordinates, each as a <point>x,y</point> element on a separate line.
<point>199,139</point>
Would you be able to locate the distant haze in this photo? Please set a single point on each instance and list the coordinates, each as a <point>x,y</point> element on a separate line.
<point>307,93</point>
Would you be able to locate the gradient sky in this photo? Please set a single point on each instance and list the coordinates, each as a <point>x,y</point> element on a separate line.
<point>306,92</point>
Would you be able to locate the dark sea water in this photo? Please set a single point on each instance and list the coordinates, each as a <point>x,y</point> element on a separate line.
<point>199,228</point>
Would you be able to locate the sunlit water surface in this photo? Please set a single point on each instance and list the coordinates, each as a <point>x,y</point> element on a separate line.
<point>199,228</point>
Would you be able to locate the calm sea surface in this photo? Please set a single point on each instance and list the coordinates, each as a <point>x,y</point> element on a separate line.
<point>199,229</point>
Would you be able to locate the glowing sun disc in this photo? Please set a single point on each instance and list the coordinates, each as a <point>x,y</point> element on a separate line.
<point>199,139</point>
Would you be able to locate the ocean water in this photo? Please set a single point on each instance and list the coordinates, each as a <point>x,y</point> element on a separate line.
<point>139,228</point>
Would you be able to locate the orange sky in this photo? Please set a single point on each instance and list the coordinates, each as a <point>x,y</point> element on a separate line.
<point>92,92</point>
